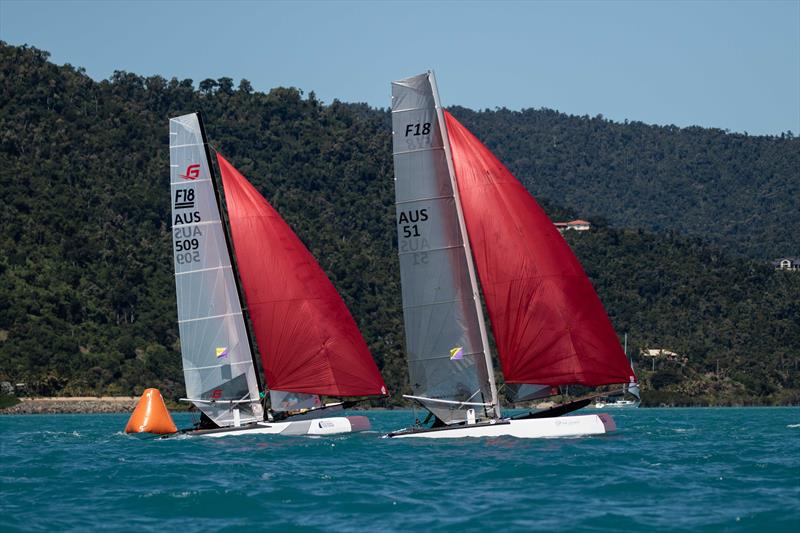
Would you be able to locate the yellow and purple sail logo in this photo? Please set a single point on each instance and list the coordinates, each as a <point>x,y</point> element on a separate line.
<point>222,352</point>
<point>457,353</point>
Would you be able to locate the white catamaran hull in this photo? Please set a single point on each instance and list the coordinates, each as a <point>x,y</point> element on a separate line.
<point>532,428</point>
<point>316,426</point>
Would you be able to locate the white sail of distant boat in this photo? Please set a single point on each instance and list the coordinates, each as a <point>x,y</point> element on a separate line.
<point>620,401</point>
<point>457,209</point>
<point>309,343</point>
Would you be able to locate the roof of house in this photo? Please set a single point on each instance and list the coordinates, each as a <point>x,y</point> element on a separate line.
<point>573,223</point>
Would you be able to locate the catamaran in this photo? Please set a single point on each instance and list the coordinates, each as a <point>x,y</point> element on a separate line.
<point>459,208</point>
<point>309,344</point>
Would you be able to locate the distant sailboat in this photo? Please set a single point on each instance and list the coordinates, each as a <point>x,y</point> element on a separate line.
<point>309,343</point>
<point>619,401</point>
<point>457,203</point>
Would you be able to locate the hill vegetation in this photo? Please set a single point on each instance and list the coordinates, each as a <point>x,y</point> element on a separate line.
<point>86,282</point>
<point>739,192</point>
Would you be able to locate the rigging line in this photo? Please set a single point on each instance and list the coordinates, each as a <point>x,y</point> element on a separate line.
<point>242,400</point>
<point>473,395</point>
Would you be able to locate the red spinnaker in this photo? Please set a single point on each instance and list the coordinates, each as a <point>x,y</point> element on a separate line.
<point>548,322</point>
<point>307,338</point>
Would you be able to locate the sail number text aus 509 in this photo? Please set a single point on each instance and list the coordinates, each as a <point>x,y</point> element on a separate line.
<point>187,244</point>
<point>418,129</point>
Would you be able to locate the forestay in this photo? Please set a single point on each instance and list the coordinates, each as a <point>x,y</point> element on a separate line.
<point>444,346</point>
<point>217,361</point>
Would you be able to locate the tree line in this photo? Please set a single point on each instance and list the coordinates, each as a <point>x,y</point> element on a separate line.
<point>87,302</point>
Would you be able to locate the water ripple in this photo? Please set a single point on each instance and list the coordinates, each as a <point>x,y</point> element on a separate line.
<point>665,469</point>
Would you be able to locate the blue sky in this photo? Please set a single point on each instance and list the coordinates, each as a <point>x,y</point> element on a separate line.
<point>732,65</point>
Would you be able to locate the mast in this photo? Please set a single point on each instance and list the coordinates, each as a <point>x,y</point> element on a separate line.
<point>234,266</point>
<point>470,265</point>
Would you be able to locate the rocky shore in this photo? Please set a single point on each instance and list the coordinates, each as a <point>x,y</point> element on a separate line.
<point>78,404</point>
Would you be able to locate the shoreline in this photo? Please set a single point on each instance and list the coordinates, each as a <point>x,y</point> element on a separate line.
<point>126,404</point>
<point>72,405</point>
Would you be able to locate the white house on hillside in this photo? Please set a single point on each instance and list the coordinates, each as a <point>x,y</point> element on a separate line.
<point>787,263</point>
<point>576,225</point>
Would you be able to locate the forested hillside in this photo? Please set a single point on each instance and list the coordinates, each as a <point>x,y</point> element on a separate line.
<point>737,191</point>
<point>86,281</point>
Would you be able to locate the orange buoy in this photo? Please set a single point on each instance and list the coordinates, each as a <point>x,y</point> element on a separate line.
<point>151,415</point>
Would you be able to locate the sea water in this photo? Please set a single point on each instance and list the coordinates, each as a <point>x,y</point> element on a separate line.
<point>664,469</point>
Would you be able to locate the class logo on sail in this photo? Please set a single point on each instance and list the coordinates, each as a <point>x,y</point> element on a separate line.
<point>221,352</point>
<point>457,353</point>
<point>192,172</point>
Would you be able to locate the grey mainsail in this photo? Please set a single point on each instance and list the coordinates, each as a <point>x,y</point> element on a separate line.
<point>446,345</point>
<point>217,360</point>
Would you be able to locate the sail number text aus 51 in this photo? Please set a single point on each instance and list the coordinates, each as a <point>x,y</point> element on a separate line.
<point>408,222</point>
<point>406,218</point>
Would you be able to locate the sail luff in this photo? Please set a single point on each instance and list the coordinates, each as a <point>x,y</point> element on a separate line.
<point>489,368</point>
